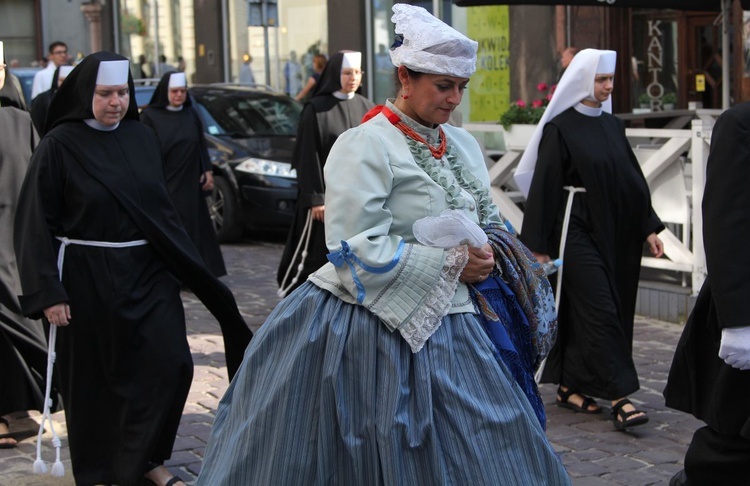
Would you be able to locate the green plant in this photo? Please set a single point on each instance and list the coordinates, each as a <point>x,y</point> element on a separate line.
<point>644,99</point>
<point>522,113</point>
<point>669,98</point>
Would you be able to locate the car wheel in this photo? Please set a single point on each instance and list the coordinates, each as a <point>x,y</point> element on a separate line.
<point>223,209</point>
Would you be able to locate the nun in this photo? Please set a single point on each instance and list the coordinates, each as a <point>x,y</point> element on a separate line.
<point>579,158</point>
<point>187,166</point>
<point>40,104</point>
<point>101,253</point>
<point>334,108</point>
<point>23,351</point>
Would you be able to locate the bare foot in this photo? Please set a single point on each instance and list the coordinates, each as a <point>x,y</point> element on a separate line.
<point>160,476</point>
<point>6,442</point>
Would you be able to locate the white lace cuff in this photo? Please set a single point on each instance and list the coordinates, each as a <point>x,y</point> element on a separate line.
<point>429,315</point>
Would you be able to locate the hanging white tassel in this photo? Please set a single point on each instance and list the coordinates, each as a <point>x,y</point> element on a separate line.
<point>58,470</point>
<point>304,239</point>
<point>39,466</point>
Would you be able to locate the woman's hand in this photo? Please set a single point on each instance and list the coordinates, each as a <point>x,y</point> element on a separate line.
<point>207,179</point>
<point>318,213</point>
<point>481,263</point>
<point>655,245</point>
<point>541,257</point>
<point>58,314</point>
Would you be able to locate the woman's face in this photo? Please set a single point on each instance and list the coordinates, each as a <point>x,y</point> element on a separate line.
<point>177,96</point>
<point>351,79</point>
<point>432,97</point>
<point>603,85</point>
<point>110,103</point>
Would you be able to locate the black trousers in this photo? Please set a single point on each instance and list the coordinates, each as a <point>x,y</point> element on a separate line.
<point>718,460</point>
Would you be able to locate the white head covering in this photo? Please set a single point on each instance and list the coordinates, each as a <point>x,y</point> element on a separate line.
<point>64,70</point>
<point>429,45</point>
<point>2,53</point>
<point>112,73</point>
<point>177,80</point>
<point>352,60</point>
<point>576,85</point>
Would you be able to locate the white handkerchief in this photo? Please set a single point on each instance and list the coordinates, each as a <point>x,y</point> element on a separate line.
<point>449,230</point>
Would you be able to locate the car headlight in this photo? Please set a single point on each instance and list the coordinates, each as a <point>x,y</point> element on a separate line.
<point>267,167</point>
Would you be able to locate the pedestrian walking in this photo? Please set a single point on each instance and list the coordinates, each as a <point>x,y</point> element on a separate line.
<point>378,370</point>
<point>23,350</point>
<point>710,373</point>
<point>334,108</point>
<point>187,166</point>
<point>579,167</point>
<point>101,253</point>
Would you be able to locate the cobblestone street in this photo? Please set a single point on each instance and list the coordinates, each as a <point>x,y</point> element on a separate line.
<point>593,452</point>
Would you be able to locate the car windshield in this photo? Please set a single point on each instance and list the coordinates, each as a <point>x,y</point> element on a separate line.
<point>248,114</point>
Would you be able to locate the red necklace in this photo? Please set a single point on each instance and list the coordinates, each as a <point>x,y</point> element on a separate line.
<point>437,153</point>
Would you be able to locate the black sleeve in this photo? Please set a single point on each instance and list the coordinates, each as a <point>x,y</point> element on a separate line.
<point>545,194</point>
<point>39,204</point>
<point>306,160</point>
<point>726,216</point>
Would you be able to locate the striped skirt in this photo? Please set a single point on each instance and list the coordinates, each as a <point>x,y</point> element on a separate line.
<point>327,395</point>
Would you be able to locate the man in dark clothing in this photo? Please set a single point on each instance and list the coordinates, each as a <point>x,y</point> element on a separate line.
<point>710,374</point>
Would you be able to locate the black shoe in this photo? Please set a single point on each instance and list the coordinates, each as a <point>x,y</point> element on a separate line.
<point>679,479</point>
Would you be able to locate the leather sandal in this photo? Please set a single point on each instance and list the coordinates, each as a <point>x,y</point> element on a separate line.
<point>622,419</point>
<point>563,401</point>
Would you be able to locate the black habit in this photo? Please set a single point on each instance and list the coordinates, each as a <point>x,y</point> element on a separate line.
<point>323,119</point>
<point>186,159</point>
<point>40,104</point>
<point>608,226</point>
<point>124,362</point>
<point>23,346</point>
<point>699,381</point>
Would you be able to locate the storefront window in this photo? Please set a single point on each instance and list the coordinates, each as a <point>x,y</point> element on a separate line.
<point>280,56</point>
<point>654,62</point>
<point>142,22</point>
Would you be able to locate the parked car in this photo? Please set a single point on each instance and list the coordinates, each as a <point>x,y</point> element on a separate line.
<point>250,133</point>
<point>26,76</point>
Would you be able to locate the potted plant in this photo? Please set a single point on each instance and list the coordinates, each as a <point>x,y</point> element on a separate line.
<point>644,100</point>
<point>668,100</point>
<point>520,120</point>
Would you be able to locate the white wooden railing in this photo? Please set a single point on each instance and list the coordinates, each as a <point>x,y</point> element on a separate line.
<point>674,164</point>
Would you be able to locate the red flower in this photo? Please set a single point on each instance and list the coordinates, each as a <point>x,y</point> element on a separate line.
<point>521,103</point>
<point>537,104</point>
<point>542,87</point>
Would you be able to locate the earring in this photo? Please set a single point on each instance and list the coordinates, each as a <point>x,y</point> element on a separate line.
<point>405,96</point>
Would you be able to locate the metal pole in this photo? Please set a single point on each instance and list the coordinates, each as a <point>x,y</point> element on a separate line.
<point>116,25</point>
<point>225,39</point>
<point>568,33</point>
<point>370,71</point>
<point>725,54</point>
<point>157,61</point>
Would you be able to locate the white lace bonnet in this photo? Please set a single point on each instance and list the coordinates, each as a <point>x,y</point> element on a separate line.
<point>427,45</point>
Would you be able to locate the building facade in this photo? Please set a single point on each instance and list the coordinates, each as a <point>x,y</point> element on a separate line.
<point>664,55</point>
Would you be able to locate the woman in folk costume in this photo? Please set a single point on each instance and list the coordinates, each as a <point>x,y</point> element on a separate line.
<point>378,369</point>
<point>101,253</point>
<point>579,152</point>
<point>334,108</point>
<point>187,166</point>
<point>23,349</point>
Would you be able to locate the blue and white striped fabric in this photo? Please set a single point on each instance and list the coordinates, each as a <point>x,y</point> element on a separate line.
<point>327,395</point>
